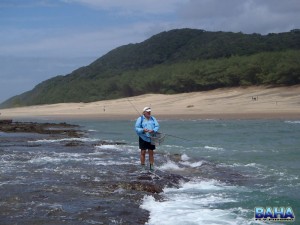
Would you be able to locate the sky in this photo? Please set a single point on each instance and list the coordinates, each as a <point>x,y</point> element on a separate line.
<point>40,39</point>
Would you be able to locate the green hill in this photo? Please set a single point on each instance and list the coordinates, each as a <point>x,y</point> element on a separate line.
<point>181,60</point>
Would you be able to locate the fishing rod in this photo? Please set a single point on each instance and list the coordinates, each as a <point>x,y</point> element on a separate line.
<point>170,135</point>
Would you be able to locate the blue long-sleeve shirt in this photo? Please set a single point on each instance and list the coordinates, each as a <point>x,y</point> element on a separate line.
<point>141,123</point>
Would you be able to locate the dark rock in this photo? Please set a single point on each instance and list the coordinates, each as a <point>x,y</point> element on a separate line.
<point>74,143</point>
<point>152,182</point>
<point>40,128</point>
<point>5,122</point>
<point>141,186</point>
<point>110,143</point>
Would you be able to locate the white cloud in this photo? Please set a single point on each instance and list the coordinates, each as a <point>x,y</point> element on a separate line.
<point>231,15</point>
<point>249,16</point>
<point>133,6</point>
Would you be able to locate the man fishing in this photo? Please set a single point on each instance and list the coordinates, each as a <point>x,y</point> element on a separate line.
<point>145,126</point>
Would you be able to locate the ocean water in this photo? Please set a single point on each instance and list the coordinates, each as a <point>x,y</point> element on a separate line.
<point>233,166</point>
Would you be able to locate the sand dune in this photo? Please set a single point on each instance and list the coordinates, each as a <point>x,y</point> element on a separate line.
<point>233,103</point>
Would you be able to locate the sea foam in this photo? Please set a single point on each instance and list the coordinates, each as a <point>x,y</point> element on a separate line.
<point>170,165</point>
<point>213,148</point>
<point>193,203</point>
<point>292,122</point>
<point>64,139</point>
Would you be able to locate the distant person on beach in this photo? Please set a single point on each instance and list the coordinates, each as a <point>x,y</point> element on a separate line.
<point>145,126</point>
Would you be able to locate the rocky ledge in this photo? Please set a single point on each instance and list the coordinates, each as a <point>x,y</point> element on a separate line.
<point>107,193</point>
<point>150,182</point>
<point>69,130</point>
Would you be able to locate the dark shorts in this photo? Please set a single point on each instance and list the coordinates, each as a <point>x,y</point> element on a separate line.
<point>144,145</point>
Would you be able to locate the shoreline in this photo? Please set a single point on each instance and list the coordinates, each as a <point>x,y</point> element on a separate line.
<point>225,103</point>
<point>232,116</point>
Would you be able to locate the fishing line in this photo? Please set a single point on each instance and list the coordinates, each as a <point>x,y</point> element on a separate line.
<point>133,106</point>
<point>177,137</point>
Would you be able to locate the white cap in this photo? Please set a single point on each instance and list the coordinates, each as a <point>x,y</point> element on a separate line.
<point>147,109</point>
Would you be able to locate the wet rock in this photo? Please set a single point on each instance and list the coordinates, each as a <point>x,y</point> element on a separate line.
<point>109,143</point>
<point>39,197</point>
<point>5,122</point>
<point>152,182</point>
<point>175,157</point>
<point>74,143</point>
<point>143,186</point>
<point>55,211</point>
<point>40,128</point>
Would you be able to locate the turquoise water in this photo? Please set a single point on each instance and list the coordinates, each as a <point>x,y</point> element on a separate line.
<point>234,166</point>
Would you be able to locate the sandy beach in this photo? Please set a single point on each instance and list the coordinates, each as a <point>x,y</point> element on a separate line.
<point>226,103</point>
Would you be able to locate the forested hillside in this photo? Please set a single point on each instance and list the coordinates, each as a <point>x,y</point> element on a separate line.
<point>182,60</point>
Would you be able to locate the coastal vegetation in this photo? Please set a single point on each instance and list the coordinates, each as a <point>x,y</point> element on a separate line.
<point>181,60</point>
